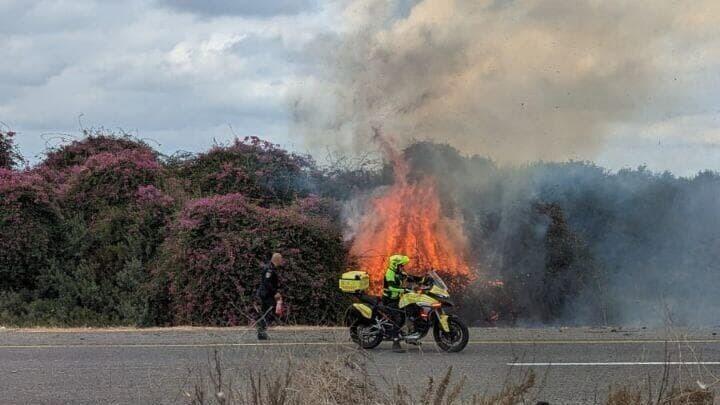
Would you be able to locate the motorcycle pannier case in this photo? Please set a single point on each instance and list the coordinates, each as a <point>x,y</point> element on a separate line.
<point>354,282</point>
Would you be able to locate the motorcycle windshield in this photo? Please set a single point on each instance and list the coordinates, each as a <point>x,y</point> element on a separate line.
<point>437,280</point>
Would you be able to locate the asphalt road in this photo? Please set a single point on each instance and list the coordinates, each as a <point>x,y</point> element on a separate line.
<point>573,366</point>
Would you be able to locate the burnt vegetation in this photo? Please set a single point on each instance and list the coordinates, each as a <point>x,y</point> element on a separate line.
<point>108,231</point>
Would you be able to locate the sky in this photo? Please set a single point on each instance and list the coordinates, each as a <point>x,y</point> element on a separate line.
<point>620,83</point>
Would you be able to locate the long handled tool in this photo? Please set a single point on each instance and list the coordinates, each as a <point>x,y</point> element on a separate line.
<point>255,322</point>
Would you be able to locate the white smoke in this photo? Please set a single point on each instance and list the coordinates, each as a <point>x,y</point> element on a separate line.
<point>515,80</point>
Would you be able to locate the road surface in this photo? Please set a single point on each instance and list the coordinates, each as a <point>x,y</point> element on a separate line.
<point>573,365</point>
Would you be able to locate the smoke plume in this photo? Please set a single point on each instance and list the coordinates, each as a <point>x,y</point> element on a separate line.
<point>516,81</point>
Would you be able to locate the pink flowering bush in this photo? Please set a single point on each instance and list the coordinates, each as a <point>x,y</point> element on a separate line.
<point>259,170</point>
<point>119,216</point>
<point>62,162</point>
<point>107,179</point>
<point>212,261</point>
<point>94,143</point>
<point>92,265</point>
<point>103,232</point>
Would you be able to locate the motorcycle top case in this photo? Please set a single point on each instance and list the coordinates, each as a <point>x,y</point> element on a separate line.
<point>354,281</point>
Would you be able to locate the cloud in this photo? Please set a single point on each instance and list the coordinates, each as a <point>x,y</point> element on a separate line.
<point>514,80</point>
<point>518,81</point>
<point>242,7</point>
<point>666,144</point>
<point>140,67</point>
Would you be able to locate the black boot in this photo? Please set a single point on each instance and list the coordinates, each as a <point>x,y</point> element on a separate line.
<point>396,346</point>
<point>262,335</point>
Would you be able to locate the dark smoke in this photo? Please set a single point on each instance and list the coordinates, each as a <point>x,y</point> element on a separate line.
<point>576,243</point>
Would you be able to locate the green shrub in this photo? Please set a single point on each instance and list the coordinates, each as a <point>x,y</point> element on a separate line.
<point>9,155</point>
<point>29,218</point>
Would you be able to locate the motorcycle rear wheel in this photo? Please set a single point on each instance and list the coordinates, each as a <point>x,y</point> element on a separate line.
<point>362,335</point>
<point>455,340</point>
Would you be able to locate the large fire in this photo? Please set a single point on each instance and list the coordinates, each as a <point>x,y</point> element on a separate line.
<point>407,219</point>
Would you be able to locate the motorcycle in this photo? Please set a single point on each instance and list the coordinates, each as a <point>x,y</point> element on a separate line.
<point>420,308</point>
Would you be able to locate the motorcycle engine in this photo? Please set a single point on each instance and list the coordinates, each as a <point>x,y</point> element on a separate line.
<point>418,320</point>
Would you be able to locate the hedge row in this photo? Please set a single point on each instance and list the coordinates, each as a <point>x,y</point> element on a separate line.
<point>106,231</point>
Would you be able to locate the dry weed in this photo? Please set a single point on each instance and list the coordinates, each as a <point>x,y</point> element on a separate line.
<point>344,380</point>
<point>675,396</point>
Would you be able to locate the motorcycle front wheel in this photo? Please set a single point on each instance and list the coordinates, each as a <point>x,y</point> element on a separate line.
<point>365,335</point>
<point>456,339</point>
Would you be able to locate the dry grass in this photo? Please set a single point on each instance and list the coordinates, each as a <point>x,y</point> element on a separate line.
<point>675,396</point>
<point>342,380</point>
<point>510,394</point>
<point>346,379</point>
<point>625,396</point>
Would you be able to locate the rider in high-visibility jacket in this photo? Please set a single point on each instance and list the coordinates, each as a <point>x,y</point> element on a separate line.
<point>392,288</point>
<point>394,275</point>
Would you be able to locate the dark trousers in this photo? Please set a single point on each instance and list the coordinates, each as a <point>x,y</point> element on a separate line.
<point>396,315</point>
<point>266,315</point>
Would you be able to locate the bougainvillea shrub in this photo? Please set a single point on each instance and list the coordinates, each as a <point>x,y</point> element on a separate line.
<point>91,217</point>
<point>93,143</point>
<point>95,214</point>
<point>28,219</point>
<point>119,216</point>
<point>260,170</point>
<point>62,161</point>
<point>111,179</point>
<point>218,244</point>
<point>100,275</point>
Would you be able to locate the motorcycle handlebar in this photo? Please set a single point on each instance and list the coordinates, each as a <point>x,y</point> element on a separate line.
<point>423,288</point>
<point>422,284</point>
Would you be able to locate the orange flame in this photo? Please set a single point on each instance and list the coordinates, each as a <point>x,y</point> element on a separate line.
<point>407,219</point>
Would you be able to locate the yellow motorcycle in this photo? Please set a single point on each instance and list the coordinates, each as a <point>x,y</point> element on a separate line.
<point>420,308</point>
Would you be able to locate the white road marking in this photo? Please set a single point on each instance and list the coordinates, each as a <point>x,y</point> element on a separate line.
<point>590,342</point>
<point>348,343</point>
<point>620,363</point>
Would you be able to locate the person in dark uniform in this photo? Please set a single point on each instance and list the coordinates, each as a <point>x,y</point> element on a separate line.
<point>268,293</point>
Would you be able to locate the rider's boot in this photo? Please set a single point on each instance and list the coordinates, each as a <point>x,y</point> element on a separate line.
<point>396,346</point>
